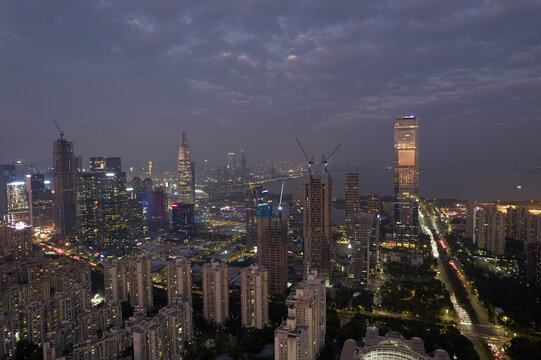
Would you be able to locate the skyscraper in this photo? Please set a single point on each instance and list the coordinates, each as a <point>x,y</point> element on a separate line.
<point>186,194</point>
<point>272,245</point>
<point>64,186</point>
<point>254,197</point>
<point>183,220</point>
<point>254,297</point>
<point>102,210</point>
<point>406,180</point>
<point>352,201</point>
<point>317,221</point>
<point>364,249</point>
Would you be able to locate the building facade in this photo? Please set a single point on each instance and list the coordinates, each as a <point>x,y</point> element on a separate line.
<point>317,221</point>
<point>254,297</point>
<point>64,187</point>
<point>215,293</point>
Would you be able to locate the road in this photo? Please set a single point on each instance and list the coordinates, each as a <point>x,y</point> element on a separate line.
<point>493,334</point>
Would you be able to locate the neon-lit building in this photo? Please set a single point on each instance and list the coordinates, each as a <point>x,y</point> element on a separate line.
<point>406,181</point>
<point>18,209</point>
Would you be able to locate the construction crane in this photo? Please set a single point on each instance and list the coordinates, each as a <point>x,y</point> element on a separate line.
<point>59,130</point>
<point>325,161</point>
<point>309,160</point>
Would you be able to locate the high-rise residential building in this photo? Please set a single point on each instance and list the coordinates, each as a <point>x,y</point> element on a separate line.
<point>254,197</point>
<point>517,218</point>
<point>15,242</point>
<point>406,180</point>
<point>183,217</point>
<point>163,336</point>
<point>116,281</point>
<point>215,292</point>
<point>291,339</point>
<point>374,204</point>
<point>186,181</point>
<point>309,301</point>
<point>254,297</point>
<point>486,226</point>
<point>179,280</point>
<point>352,201</point>
<point>364,245</point>
<point>272,244</point>
<point>140,282</point>
<point>64,187</point>
<point>102,204</point>
<point>131,280</point>
<point>40,199</point>
<point>317,221</point>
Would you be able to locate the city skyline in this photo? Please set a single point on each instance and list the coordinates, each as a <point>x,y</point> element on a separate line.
<point>329,71</point>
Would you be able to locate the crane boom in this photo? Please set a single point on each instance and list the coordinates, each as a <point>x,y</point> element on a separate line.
<point>59,130</point>
<point>334,152</point>
<point>303,152</point>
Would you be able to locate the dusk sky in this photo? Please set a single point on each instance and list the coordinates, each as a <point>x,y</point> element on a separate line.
<point>125,78</point>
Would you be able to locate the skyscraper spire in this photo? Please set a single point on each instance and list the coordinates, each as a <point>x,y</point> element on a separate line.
<point>186,193</point>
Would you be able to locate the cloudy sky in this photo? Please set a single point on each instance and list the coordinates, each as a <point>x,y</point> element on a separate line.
<point>126,77</point>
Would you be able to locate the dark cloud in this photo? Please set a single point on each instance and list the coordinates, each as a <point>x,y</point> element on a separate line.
<point>126,77</point>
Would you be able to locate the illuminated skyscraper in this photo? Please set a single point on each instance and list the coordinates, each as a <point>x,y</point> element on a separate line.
<point>352,201</point>
<point>317,221</point>
<point>186,194</point>
<point>406,180</point>
<point>102,204</point>
<point>64,186</point>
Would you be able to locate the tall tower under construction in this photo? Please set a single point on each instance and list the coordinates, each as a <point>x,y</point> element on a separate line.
<point>64,186</point>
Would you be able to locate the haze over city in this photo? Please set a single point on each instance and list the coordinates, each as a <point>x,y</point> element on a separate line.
<point>126,78</point>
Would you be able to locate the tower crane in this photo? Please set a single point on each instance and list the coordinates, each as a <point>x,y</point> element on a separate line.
<point>59,130</point>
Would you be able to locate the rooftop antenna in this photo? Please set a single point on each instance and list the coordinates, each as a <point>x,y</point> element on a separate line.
<point>59,130</point>
<point>309,160</point>
<point>325,161</point>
